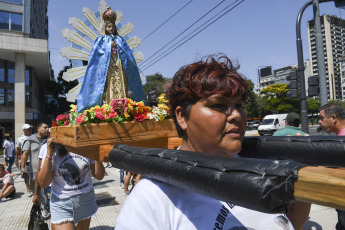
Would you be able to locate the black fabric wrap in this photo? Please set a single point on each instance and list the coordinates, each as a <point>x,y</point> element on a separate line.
<point>326,151</point>
<point>262,185</point>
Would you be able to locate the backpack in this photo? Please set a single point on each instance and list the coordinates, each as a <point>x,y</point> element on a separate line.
<point>36,220</point>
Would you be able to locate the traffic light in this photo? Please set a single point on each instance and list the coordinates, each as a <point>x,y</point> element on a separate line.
<point>339,4</point>
<point>313,86</point>
<point>292,84</point>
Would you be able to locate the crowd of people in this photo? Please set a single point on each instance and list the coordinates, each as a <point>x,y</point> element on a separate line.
<point>206,101</point>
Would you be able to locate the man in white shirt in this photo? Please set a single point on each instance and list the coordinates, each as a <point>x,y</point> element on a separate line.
<point>19,150</point>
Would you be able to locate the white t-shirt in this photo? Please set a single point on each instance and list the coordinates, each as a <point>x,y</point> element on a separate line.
<point>157,205</point>
<point>72,173</point>
<point>9,146</point>
<point>20,142</point>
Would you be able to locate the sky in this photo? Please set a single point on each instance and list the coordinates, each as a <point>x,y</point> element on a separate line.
<point>255,34</point>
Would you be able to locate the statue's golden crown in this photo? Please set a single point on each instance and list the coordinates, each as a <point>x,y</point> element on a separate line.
<point>109,15</point>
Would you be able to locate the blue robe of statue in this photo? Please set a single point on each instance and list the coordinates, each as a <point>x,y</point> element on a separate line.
<point>92,89</point>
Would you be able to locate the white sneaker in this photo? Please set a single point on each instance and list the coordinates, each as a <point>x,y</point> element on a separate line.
<point>122,185</point>
<point>126,193</point>
<point>29,194</point>
<point>4,199</point>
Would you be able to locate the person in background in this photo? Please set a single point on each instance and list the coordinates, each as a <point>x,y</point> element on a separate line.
<point>19,147</point>
<point>7,189</point>
<point>292,122</point>
<point>332,120</point>
<point>300,212</point>
<point>31,149</point>
<point>206,101</point>
<point>9,151</point>
<point>73,200</point>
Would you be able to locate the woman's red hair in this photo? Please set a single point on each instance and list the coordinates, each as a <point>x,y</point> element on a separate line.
<point>213,75</point>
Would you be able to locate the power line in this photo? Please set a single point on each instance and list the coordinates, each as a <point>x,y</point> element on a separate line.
<point>167,20</point>
<point>146,60</point>
<point>167,53</point>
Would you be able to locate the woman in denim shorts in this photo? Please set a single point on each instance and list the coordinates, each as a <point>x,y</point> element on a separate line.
<point>73,199</point>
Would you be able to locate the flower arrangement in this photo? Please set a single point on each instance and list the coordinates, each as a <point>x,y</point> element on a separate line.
<point>119,110</point>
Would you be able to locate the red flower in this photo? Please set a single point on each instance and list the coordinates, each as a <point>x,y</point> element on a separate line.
<point>111,115</point>
<point>99,115</point>
<point>139,117</point>
<point>54,124</point>
<point>60,117</point>
<point>118,104</point>
<point>80,119</point>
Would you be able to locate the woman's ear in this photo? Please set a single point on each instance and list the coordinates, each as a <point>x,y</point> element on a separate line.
<point>180,118</point>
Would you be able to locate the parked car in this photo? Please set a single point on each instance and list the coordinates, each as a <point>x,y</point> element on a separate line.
<point>256,124</point>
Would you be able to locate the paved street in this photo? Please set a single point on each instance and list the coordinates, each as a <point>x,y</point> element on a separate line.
<point>14,214</point>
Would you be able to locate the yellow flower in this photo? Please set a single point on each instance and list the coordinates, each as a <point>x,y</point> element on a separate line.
<point>126,115</point>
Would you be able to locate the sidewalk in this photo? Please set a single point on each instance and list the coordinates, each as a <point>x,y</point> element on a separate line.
<point>15,213</point>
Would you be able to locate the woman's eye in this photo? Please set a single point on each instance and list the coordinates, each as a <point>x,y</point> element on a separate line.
<point>239,106</point>
<point>220,107</point>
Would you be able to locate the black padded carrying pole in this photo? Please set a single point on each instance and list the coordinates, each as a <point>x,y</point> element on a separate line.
<point>326,151</point>
<point>262,185</point>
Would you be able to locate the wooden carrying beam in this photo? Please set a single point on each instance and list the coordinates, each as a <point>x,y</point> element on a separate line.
<point>321,185</point>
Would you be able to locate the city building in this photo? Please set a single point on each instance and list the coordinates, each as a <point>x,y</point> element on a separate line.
<point>267,77</point>
<point>24,63</point>
<point>333,35</point>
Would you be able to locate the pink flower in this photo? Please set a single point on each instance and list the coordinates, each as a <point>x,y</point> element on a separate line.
<point>111,115</point>
<point>99,116</point>
<point>80,119</point>
<point>60,117</point>
<point>119,104</point>
<point>139,117</point>
<point>66,122</point>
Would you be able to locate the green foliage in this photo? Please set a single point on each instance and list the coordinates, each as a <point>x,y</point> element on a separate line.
<point>155,82</point>
<point>275,90</point>
<point>313,105</point>
<point>58,89</point>
<point>337,101</point>
<point>252,108</point>
<point>277,100</point>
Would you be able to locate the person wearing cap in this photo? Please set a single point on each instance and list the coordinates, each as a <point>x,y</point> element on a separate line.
<point>292,122</point>
<point>299,215</point>
<point>19,150</point>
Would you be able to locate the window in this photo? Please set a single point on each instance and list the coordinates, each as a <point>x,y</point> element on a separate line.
<point>14,1</point>
<point>4,20</point>
<point>2,70</point>
<point>27,99</point>
<point>16,22</point>
<point>2,96</point>
<point>10,96</point>
<point>10,72</point>
<point>15,19</point>
<point>27,76</point>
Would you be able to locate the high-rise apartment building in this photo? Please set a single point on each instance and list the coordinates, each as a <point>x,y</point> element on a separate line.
<point>24,62</point>
<point>333,35</point>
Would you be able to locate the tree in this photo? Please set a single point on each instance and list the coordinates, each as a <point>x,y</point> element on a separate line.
<point>251,105</point>
<point>154,87</point>
<point>277,100</point>
<point>58,89</point>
